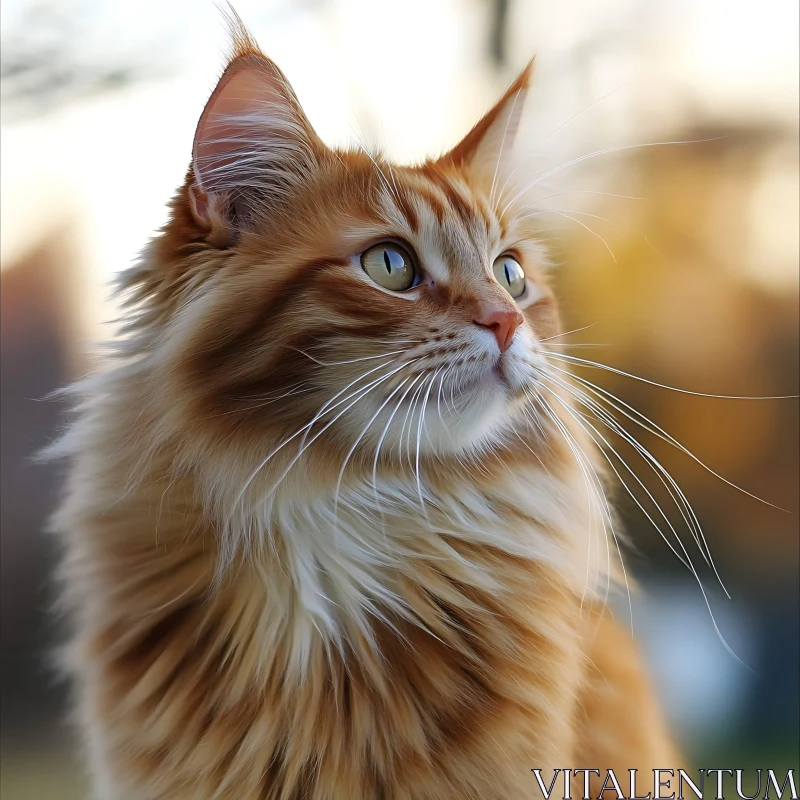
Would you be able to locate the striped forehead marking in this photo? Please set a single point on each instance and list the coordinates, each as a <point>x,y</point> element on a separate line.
<point>453,228</point>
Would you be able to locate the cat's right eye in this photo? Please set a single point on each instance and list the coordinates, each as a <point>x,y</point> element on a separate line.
<point>390,266</point>
<point>510,275</point>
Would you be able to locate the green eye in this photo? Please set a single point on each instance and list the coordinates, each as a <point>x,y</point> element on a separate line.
<point>389,265</point>
<point>509,275</point>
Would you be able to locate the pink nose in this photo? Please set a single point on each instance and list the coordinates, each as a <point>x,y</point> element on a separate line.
<point>502,322</point>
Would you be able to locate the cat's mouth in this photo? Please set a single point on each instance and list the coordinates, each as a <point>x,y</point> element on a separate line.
<point>503,378</point>
<point>503,374</point>
<point>511,372</point>
<point>500,370</point>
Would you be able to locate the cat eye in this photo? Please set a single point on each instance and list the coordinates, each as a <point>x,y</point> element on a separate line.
<point>390,266</point>
<point>509,275</point>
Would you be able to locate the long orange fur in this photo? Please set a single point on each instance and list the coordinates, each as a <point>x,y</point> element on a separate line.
<point>265,608</point>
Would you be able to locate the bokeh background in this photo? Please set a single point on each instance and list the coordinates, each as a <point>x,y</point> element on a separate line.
<point>684,272</point>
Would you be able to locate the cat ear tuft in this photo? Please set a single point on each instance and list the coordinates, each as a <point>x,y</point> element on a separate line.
<point>253,144</point>
<point>487,150</point>
<point>242,41</point>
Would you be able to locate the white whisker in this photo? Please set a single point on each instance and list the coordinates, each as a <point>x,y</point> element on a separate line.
<point>567,333</point>
<point>362,393</point>
<point>420,424</point>
<point>347,361</point>
<point>591,230</point>
<point>598,365</point>
<point>582,111</point>
<point>386,430</point>
<point>305,428</point>
<point>360,437</point>
<point>596,154</point>
<point>688,561</point>
<point>678,497</point>
<point>654,429</point>
<point>660,432</point>
<point>593,490</point>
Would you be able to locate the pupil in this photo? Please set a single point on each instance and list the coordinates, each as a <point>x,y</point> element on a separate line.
<point>387,261</point>
<point>508,274</point>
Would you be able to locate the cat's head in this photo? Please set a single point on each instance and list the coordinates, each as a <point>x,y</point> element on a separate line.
<point>328,299</point>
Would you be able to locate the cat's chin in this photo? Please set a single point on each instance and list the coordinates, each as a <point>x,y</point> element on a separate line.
<point>478,420</point>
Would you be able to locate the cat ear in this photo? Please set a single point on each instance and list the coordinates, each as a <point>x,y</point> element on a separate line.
<point>253,143</point>
<point>487,151</point>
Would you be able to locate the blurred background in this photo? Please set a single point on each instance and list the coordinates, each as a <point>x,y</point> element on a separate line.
<point>679,262</point>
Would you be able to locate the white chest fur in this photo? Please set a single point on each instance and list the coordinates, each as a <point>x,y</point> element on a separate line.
<point>343,557</point>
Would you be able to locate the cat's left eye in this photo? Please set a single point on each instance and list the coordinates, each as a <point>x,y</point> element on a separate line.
<point>390,266</point>
<point>509,275</point>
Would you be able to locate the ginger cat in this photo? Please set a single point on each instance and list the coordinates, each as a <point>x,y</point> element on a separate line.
<point>332,529</point>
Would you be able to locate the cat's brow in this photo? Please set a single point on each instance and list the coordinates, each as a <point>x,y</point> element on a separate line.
<point>464,208</point>
<point>464,237</point>
<point>406,207</point>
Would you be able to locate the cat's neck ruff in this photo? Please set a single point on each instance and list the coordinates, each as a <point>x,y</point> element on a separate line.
<point>348,554</point>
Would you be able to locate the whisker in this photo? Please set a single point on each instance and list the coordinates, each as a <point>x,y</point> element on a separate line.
<point>267,396</point>
<point>598,365</point>
<point>531,450</point>
<point>660,432</point>
<point>561,213</point>
<point>360,437</point>
<point>324,409</point>
<point>392,191</point>
<point>596,154</point>
<point>500,152</point>
<point>420,424</point>
<point>385,431</point>
<point>348,361</point>
<point>364,391</point>
<point>633,496</point>
<point>683,548</point>
<point>591,230</point>
<point>582,111</point>
<point>609,517</point>
<point>580,191</point>
<point>655,430</point>
<point>399,341</point>
<point>593,491</point>
<point>352,383</point>
<point>415,399</point>
<point>581,345</point>
<point>681,501</point>
<point>567,333</point>
<point>262,405</point>
<point>440,392</point>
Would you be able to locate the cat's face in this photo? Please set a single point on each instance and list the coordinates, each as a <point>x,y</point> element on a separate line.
<point>380,311</point>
